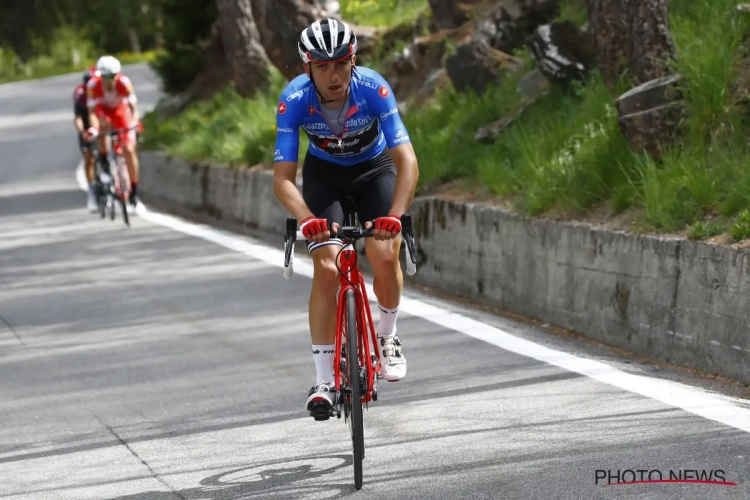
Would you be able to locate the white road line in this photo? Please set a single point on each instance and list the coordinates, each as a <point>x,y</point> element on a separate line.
<point>691,399</point>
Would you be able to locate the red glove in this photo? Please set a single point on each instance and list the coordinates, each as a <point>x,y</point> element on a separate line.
<point>312,226</point>
<point>392,223</point>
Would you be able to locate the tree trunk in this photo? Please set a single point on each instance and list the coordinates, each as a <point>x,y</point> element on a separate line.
<point>650,114</point>
<point>280,23</point>
<point>159,27</point>
<point>242,47</point>
<point>135,45</point>
<point>631,36</point>
<point>215,75</point>
<point>651,42</point>
<point>610,25</point>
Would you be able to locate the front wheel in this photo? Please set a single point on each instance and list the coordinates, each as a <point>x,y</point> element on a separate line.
<point>111,205</point>
<point>358,433</point>
<point>124,206</point>
<point>101,200</point>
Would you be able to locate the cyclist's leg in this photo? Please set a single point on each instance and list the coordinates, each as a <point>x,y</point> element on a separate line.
<point>374,197</point>
<point>123,118</point>
<point>105,125</point>
<point>88,162</point>
<point>322,198</point>
<point>88,168</point>
<point>86,147</point>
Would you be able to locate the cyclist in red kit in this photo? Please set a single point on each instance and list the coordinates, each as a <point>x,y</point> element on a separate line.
<point>112,104</point>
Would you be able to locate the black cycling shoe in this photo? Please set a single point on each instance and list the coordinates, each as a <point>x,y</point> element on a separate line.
<point>320,401</point>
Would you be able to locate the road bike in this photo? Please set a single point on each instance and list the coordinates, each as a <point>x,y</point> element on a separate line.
<point>115,184</point>
<point>356,363</point>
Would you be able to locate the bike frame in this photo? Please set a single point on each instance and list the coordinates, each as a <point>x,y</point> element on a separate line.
<point>368,362</point>
<point>350,278</point>
<point>120,173</point>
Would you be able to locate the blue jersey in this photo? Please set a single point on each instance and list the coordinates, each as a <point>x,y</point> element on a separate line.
<point>372,122</point>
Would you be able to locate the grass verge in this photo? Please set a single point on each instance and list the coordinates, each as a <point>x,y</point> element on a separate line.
<point>226,129</point>
<point>566,153</point>
<point>381,12</point>
<point>43,68</point>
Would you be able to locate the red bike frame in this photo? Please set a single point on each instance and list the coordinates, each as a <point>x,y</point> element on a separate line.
<point>351,279</point>
<point>119,173</point>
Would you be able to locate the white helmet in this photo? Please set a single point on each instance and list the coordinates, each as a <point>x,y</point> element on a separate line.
<point>108,66</point>
<point>327,40</point>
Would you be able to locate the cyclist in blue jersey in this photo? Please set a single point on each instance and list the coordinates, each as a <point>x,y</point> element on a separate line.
<point>359,147</point>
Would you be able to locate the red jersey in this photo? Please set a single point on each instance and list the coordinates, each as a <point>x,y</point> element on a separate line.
<point>122,95</point>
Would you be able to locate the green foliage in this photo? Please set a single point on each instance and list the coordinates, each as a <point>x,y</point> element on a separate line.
<point>702,230</point>
<point>740,229</point>
<point>381,12</point>
<point>226,129</point>
<point>188,22</point>
<point>567,153</point>
<point>564,153</point>
<point>45,38</point>
<point>54,36</point>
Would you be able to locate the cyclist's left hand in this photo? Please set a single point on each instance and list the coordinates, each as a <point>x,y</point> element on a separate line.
<point>386,228</point>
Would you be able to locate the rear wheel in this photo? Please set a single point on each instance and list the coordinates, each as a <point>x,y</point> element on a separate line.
<point>124,180</point>
<point>101,200</point>
<point>124,206</point>
<point>358,433</point>
<point>111,205</point>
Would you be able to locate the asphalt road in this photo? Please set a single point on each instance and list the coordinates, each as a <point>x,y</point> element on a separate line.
<point>169,361</point>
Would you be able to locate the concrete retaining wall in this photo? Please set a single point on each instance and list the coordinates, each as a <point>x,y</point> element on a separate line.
<point>671,300</point>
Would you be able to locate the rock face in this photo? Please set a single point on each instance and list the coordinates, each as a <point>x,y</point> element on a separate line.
<point>509,25</point>
<point>449,14</point>
<point>476,66</point>
<point>412,68</point>
<point>633,37</point>
<point>482,60</point>
<point>563,52</point>
<point>651,113</point>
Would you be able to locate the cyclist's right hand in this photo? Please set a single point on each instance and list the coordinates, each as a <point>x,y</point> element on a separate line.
<point>315,230</point>
<point>90,133</point>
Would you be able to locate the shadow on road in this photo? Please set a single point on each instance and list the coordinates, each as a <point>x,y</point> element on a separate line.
<point>46,201</point>
<point>277,479</point>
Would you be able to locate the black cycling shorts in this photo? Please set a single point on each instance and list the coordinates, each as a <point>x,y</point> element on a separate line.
<point>370,184</point>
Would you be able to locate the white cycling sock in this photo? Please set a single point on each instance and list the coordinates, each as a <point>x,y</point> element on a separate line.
<point>323,356</point>
<point>387,325</point>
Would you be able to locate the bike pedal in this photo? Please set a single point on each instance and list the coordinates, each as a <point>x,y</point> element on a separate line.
<point>320,413</point>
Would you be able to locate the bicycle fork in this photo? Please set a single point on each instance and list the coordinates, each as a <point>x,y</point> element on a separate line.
<point>369,358</point>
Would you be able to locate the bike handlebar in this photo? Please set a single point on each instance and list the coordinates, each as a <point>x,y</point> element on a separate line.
<point>349,234</point>
<point>115,132</point>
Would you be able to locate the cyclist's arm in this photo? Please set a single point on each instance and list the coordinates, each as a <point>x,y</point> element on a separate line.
<point>78,110</point>
<point>285,162</point>
<point>93,119</point>
<point>133,103</point>
<point>92,102</point>
<point>399,147</point>
<point>126,89</point>
<point>78,123</point>
<point>134,110</point>
<point>407,174</point>
<point>78,114</point>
